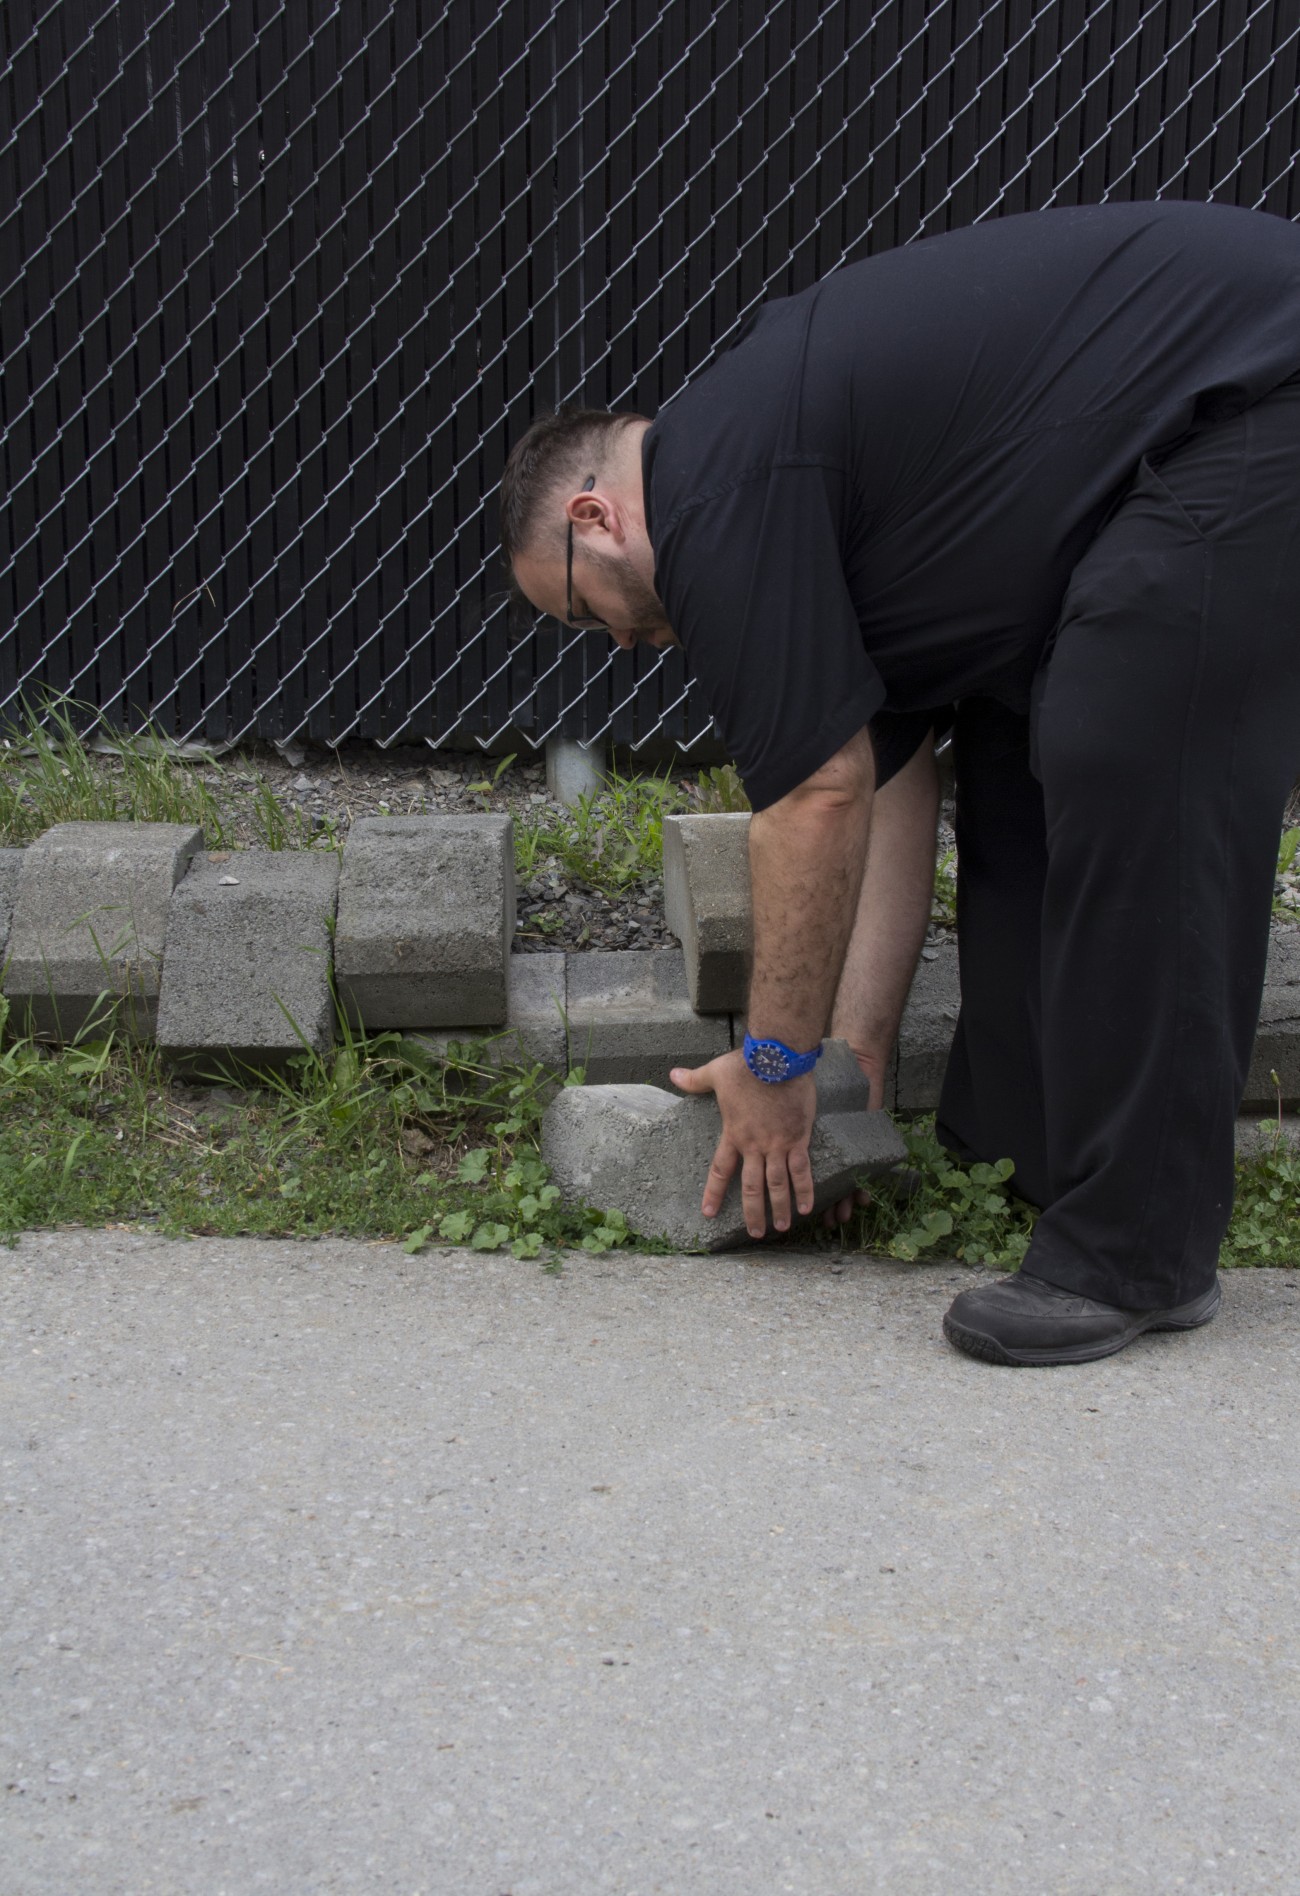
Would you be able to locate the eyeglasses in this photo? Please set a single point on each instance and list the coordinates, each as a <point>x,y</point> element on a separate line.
<point>579,625</point>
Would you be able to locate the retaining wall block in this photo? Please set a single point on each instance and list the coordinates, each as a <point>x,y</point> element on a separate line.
<point>11,861</point>
<point>425,919</point>
<point>89,921</point>
<point>646,1152</point>
<point>1277,1038</point>
<point>708,906</point>
<point>930,1018</point>
<point>534,1032</point>
<point>247,959</point>
<point>630,1017</point>
<point>925,1035</point>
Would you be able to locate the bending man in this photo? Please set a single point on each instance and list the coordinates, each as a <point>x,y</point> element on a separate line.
<point>1038,481</point>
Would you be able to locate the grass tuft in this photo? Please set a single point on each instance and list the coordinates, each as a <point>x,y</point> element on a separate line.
<point>47,776</point>
<point>611,841</point>
<point>376,1140</point>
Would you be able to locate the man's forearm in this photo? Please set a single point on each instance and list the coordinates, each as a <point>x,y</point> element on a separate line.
<point>806,860</point>
<point>892,912</point>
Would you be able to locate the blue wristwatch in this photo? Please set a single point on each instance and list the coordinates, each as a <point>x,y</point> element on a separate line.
<point>772,1061</point>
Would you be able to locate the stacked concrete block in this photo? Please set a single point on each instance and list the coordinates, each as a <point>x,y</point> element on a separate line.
<point>246,970</point>
<point>708,906</point>
<point>630,1017</point>
<point>425,918</point>
<point>89,921</point>
<point>929,1021</point>
<point>11,861</point>
<point>1277,1038</point>
<point>646,1153</point>
<point>534,1032</point>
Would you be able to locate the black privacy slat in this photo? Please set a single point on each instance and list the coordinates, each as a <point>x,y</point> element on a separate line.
<point>280,282</point>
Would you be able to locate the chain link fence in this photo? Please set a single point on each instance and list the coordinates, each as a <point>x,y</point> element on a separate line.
<point>283,280</point>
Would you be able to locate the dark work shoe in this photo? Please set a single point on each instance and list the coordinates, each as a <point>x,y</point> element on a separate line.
<point>1021,1321</point>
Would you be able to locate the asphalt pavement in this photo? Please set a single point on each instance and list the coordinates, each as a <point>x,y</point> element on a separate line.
<point>329,1569</point>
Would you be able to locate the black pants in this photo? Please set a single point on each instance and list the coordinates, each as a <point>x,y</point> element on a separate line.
<point>1117,851</point>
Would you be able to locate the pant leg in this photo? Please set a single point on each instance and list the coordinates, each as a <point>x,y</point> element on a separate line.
<point>991,1106</point>
<point>1168,738</point>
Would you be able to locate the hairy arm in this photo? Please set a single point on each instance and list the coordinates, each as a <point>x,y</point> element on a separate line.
<point>806,858</point>
<point>892,912</point>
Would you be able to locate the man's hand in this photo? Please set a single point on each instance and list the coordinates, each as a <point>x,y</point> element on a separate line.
<point>765,1130</point>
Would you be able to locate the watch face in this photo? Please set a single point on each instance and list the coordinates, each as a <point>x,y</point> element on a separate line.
<point>769,1063</point>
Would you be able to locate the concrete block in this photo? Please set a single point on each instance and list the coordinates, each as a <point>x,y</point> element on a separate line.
<point>1277,1038</point>
<point>425,919</point>
<point>646,1152</point>
<point>11,861</point>
<point>89,919</point>
<point>708,906</point>
<point>630,1017</point>
<point>248,959</point>
<point>930,1018</point>
<point>534,1031</point>
<point>929,1021</point>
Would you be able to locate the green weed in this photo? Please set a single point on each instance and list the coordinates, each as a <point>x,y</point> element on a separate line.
<point>938,1208</point>
<point>377,1139</point>
<point>720,792</point>
<point>611,841</point>
<point>482,790</point>
<point>1286,901</point>
<point>47,777</point>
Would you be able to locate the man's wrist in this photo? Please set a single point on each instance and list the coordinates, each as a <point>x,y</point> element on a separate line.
<point>773,1062</point>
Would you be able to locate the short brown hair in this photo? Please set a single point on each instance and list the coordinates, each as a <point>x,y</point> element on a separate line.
<point>558,451</point>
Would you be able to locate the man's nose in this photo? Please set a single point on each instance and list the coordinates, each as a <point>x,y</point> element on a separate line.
<point>626,639</point>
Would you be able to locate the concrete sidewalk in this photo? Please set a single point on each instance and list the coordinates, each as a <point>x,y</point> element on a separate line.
<point>328,1569</point>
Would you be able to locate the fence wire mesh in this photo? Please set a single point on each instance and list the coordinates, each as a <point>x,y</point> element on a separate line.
<point>281,281</point>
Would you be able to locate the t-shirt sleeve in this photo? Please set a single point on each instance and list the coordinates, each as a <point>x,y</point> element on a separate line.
<point>752,579</point>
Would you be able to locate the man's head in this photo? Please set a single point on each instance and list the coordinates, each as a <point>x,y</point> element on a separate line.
<point>573,525</point>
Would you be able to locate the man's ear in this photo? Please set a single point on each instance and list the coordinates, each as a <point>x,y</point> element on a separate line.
<point>585,507</point>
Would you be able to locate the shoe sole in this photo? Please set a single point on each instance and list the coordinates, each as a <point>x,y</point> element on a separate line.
<point>1189,1316</point>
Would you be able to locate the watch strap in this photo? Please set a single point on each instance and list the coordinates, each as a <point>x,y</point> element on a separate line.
<point>773,1062</point>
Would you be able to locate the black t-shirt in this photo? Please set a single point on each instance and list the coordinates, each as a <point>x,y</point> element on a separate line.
<point>870,506</point>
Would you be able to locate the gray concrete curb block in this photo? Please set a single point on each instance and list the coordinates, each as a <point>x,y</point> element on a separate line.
<point>246,967</point>
<point>646,1152</point>
<point>534,1033</point>
<point>89,921</point>
<point>1277,1038</point>
<point>425,916</point>
<point>11,861</point>
<point>630,1017</point>
<point>425,919</point>
<point>708,906</point>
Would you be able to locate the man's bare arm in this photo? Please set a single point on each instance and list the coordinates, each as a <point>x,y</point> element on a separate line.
<point>893,910</point>
<point>806,857</point>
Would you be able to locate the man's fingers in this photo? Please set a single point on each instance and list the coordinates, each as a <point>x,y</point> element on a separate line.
<point>801,1179</point>
<point>778,1188</point>
<point>692,1080</point>
<point>842,1212</point>
<point>784,1178</point>
<point>725,1159</point>
<point>753,1194</point>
